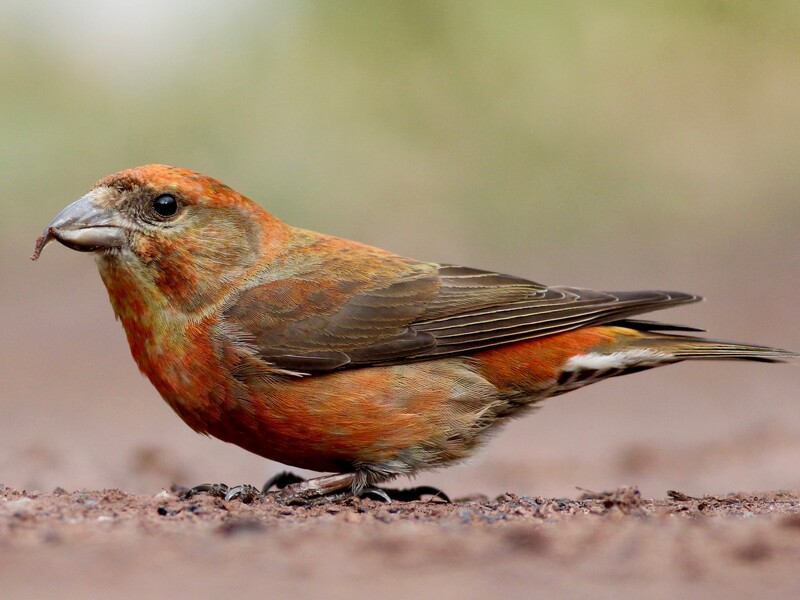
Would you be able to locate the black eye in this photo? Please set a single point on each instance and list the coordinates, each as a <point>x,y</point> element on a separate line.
<point>165,205</point>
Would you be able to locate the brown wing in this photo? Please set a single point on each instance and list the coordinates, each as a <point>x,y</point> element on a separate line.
<point>431,311</point>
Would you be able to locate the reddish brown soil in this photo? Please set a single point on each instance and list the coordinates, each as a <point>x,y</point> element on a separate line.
<point>112,544</point>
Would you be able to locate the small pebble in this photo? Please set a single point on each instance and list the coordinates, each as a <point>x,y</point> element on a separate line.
<point>22,506</point>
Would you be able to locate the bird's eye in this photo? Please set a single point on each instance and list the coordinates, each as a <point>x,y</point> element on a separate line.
<point>165,205</point>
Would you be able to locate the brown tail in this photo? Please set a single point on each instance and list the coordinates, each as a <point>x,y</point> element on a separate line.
<point>681,347</point>
<point>642,348</point>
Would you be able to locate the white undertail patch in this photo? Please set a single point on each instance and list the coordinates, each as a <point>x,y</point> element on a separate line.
<point>594,361</point>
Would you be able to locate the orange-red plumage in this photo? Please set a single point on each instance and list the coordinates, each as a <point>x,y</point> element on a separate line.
<point>332,355</point>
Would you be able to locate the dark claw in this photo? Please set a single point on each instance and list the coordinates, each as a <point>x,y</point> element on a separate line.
<point>405,494</point>
<point>280,481</point>
<point>218,490</point>
<point>245,493</point>
<point>417,493</point>
<point>375,493</point>
<point>293,490</point>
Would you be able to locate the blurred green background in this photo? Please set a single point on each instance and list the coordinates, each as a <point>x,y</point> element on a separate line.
<point>615,144</point>
<point>513,127</point>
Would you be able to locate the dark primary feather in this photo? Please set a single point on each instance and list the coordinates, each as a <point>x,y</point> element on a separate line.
<point>645,325</point>
<point>447,310</point>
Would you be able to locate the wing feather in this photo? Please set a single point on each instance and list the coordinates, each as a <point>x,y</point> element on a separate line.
<point>425,312</point>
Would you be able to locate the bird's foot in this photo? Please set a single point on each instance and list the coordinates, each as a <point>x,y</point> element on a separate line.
<point>294,490</point>
<point>245,493</point>
<point>415,493</point>
<point>290,489</point>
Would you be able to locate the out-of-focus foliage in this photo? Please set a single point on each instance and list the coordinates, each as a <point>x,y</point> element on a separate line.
<point>440,125</point>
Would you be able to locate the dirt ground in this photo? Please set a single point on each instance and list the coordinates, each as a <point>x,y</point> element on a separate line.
<point>75,414</point>
<point>112,544</point>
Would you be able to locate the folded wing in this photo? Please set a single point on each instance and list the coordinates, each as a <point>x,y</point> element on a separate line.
<point>428,312</point>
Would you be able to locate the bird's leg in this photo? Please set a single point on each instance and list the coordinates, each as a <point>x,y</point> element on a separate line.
<point>294,490</point>
<point>330,487</point>
<point>291,489</point>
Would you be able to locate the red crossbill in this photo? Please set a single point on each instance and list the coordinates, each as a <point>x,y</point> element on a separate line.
<point>334,356</point>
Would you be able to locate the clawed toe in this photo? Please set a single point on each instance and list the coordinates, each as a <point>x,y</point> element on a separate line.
<point>288,488</point>
<point>218,490</point>
<point>417,493</point>
<point>281,480</point>
<point>244,493</point>
<point>375,493</point>
<point>311,492</point>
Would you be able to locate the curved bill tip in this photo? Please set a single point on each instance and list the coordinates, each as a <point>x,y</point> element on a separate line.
<point>42,241</point>
<point>86,226</point>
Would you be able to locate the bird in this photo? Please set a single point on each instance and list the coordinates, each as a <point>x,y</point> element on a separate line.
<point>338,357</point>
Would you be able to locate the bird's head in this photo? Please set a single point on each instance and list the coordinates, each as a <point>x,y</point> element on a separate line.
<point>183,233</point>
